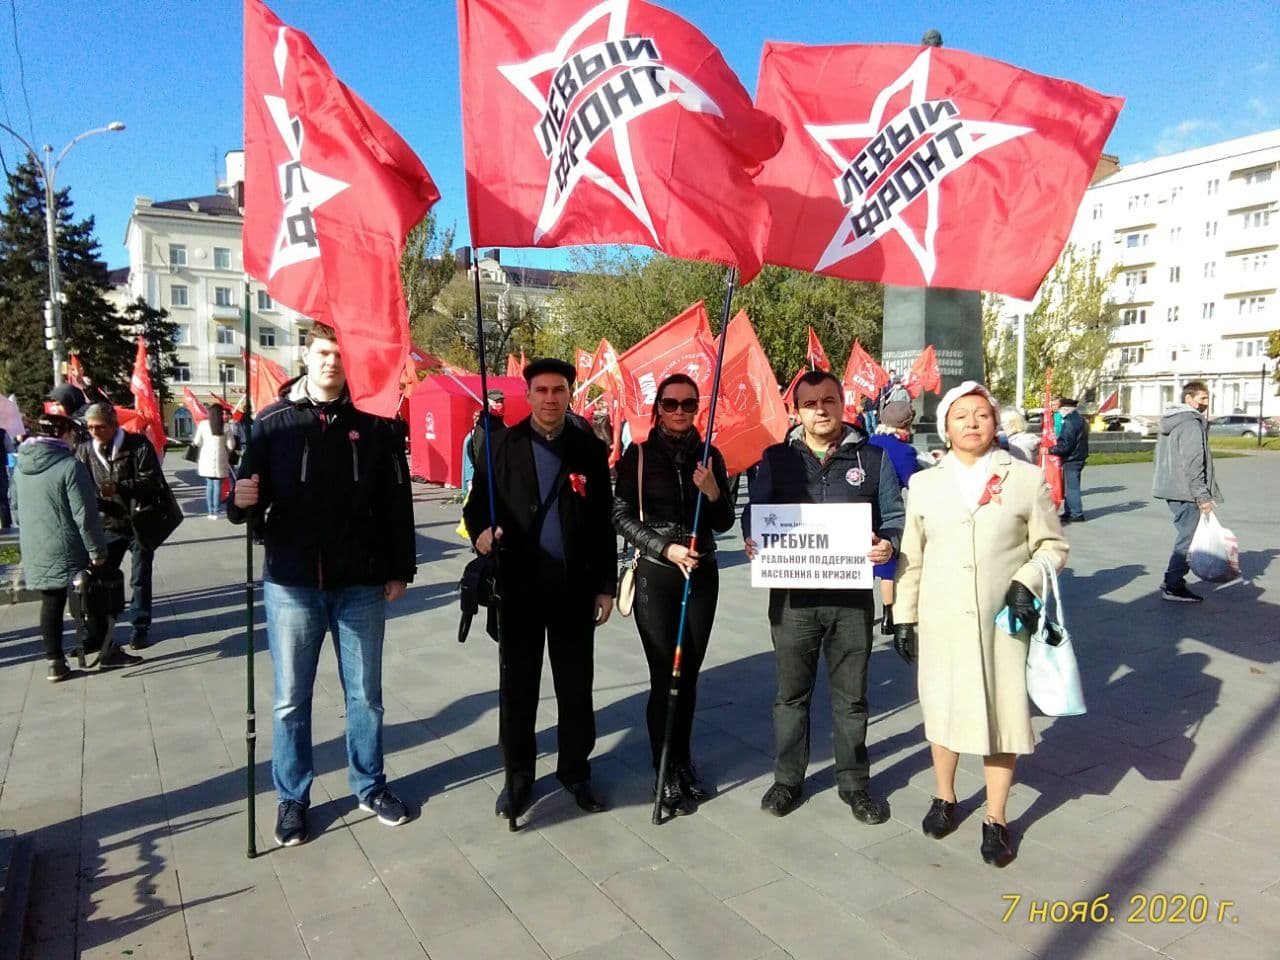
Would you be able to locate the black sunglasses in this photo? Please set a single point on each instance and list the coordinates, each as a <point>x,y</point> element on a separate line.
<point>671,405</point>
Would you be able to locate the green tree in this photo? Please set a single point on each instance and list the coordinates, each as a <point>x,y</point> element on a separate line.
<point>426,267</point>
<point>90,323</point>
<point>1273,351</point>
<point>161,336</point>
<point>512,322</point>
<point>1068,330</point>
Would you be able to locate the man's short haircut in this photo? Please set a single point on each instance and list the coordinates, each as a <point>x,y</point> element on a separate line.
<point>816,377</point>
<point>549,365</point>
<point>322,331</point>
<point>1192,387</point>
<point>101,411</point>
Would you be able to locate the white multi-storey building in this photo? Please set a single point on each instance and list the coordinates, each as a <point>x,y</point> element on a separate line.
<point>1196,236</point>
<point>185,256</point>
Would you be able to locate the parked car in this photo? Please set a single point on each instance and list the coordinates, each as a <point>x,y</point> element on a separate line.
<point>1113,421</point>
<point>1242,425</point>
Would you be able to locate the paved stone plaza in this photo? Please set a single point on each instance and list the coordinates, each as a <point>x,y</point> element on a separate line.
<point>132,784</point>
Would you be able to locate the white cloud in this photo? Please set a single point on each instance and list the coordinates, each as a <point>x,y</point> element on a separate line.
<point>1185,135</point>
<point>1261,109</point>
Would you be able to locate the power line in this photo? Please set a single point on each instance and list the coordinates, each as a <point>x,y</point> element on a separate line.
<point>22,73</point>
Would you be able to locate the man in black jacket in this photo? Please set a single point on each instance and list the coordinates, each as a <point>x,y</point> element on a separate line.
<point>128,477</point>
<point>824,460</point>
<point>558,560</point>
<point>1073,448</point>
<point>327,487</point>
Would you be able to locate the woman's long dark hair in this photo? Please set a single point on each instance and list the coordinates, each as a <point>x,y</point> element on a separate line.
<point>215,419</point>
<point>671,381</point>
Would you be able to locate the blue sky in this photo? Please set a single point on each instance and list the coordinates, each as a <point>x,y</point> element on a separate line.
<point>1192,73</point>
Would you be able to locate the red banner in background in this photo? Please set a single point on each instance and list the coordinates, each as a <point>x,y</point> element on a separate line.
<point>789,395</point>
<point>817,358</point>
<point>862,377</point>
<point>194,406</point>
<point>682,345</point>
<point>1051,465</point>
<point>266,377</point>
<point>145,403</point>
<point>750,414</point>
<point>924,374</point>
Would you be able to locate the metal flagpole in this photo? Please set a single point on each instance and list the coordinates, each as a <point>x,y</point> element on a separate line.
<point>674,693</point>
<point>496,601</point>
<point>250,718</point>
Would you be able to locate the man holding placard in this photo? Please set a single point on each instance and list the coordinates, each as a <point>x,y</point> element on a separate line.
<point>825,507</point>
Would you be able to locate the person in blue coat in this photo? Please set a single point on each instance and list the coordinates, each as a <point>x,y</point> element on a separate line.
<point>893,436</point>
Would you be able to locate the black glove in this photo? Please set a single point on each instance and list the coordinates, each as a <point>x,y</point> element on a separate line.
<point>905,641</point>
<point>1022,604</point>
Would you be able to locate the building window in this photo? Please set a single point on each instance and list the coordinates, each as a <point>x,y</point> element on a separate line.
<point>225,334</point>
<point>222,258</point>
<point>1258,176</point>
<point>1213,187</point>
<point>1210,269</point>
<point>1132,354</point>
<point>1207,310</point>
<point>1097,211</point>
<point>1211,228</point>
<point>182,426</point>
<point>222,297</point>
<point>1253,263</point>
<point>1254,219</point>
<point>178,296</point>
<point>1096,248</point>
<point>1252,305</point>
<point>1174,194</point>
<point>1133,316</point>
<point>267,337</point>
<point>1173,315</point>
<point>1206,351</point>
<point>1175,274</point>
<point>1250,348</point>
<point>226,373</point>
<point>1135,278</point>
<point>177,254</point>
<point>182,373</point>
<point>1175,234</point>
<point>264,301</point>
<point>182,334</point>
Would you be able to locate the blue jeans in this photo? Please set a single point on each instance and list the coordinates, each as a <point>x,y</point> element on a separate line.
<point>212,493</point>
<point>1186,517</point>
<point>297,620</point>
<point>1072,506</point>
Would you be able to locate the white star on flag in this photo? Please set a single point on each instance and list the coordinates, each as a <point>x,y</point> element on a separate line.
<point>679,89</point>
<point>975,135</point>
<point>302,188</point>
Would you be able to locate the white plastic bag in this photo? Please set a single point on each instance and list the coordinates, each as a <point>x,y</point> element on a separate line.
<point>1053,676</point>
<point>1214,553</point>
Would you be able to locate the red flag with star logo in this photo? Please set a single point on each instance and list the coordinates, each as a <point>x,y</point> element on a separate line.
<point>925,167</point>
<point>330,192</point>
<point>750,414</point>
<point>817,356</point>
<point>609,121</point>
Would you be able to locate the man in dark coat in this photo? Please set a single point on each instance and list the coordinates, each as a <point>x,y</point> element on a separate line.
<point>1073,448</point>
<point>558,575</point>
<point>496,406</point>
<point>127,475</point>
<point>824,460</point>
<point>327,487</point>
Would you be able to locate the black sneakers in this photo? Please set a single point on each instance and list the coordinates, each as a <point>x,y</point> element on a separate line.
<point>386,806</point>
<point>58,671</point>
<point>1180,594</point>
<point>780,799</point>
<point>291,823</point>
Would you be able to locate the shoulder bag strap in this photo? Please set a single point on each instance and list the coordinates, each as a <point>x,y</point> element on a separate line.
<point>640,488</point>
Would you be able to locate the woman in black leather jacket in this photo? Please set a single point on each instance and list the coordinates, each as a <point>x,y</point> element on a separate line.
<point>672,478</point>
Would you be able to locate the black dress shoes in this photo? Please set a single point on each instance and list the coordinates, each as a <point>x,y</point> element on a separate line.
<point>686,775</point>
<point>524,799</point>
<point>674,800</point>
<point>940,820</point>
<point>585,796</point>
<point>780,799</point>
<point>866,808</point>
<point>995,844</point>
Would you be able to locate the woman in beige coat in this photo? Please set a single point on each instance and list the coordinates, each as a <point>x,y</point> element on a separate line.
<point>975,525</point>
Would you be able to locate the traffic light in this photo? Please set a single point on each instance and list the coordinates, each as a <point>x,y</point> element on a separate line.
<point>48,325</point>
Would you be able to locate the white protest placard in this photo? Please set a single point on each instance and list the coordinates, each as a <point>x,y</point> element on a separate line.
<point>819,546</point>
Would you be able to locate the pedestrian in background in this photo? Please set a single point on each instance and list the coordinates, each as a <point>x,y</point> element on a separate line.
<point>893,436</point>
<point>1022,443</point>
<point>654,510</point>
<point>1073,448</point>
<point>6,448</point>
<point>1184,479</point>
<point>975,526</point>
<point>214,444</point>
<point>59,531</point>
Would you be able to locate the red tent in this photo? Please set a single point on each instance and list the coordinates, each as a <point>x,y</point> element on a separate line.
<point>441,413</point>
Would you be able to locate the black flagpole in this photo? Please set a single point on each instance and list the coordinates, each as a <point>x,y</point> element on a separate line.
<point>250,718</point>
<point>496,602</point>
<point>674,693</point>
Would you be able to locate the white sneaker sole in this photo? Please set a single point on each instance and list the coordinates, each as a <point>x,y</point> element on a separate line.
<point>384,820</point>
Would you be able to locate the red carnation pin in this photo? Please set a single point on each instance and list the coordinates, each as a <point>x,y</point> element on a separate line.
<point>353,435</point>
<point>992,492</point>
<point>578,482</point>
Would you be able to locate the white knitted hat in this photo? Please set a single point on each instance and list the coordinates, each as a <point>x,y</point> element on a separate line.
<point>954,394</point>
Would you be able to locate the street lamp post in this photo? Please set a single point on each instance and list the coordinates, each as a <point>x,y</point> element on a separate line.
<point>48,167</point>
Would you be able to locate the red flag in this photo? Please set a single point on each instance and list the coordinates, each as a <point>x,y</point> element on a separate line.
<point>75,373</point>
<point>750,414</point>
<point>1051,465</point>
<point>194,406</point>
<point>862,375</point>
<point>145,402</point>
<point>422,359</point>
<point>582,363</point>
<point>513,366</point>
<point>218,401</point>
<point>330,192</point>
<point>925,167</point>
<point>924,374</point>
<point>789,395</point>
<point>608,121</point>
<point>1111,403</point>
<point>266,377</point>
<point>817,358</point>
<point>682,345</point>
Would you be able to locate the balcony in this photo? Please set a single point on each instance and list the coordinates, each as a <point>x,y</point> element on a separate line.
<point>226,349</point>
<point>224,311</point>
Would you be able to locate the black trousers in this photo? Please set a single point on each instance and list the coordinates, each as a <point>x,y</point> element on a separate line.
<point>801,630</point>
<point>52,605</point>
<point>546,611</point>
<point>659,594</point>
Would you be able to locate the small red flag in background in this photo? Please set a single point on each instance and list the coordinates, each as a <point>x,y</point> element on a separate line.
<point>608,121</point>
<point>145,403</point>
<point>194,406</point>
<point>266,377</point>
<point>817,358</point>
<point>789,396</point>
<point>750,414</point>
<point>1111,403</point>
<point>862,376</point>
<point>75,373</point>
<point>927,167</point>
<point>924,374</point>
<point>513,366</point>
<point>330,192</point>
<point>681,345</point>
<point>1051,465</point>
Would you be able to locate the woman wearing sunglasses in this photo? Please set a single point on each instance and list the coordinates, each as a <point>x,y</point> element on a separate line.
<point>658,485</point>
